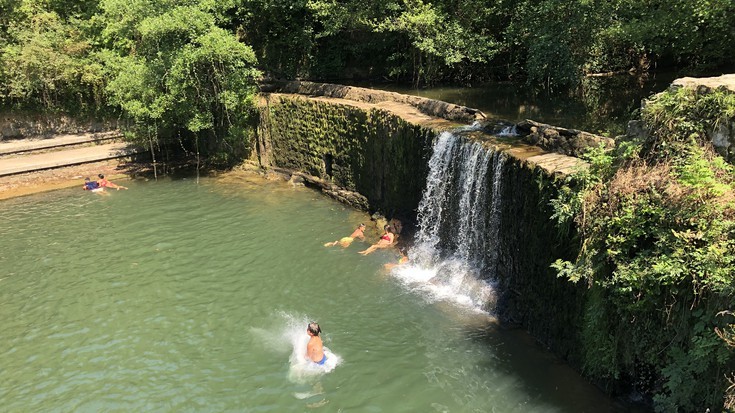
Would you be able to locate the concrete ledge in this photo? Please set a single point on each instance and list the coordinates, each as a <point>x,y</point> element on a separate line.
<point>551,162</point>
<point>27,145</point>
<point>70,157</point>
<point>724,81</point>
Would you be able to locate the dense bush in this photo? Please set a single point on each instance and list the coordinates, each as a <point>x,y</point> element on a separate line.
<point>657,225</point>
<point>52,52</point>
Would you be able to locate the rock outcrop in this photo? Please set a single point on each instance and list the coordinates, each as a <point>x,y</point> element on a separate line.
<point>722,131</point>
<point>570,142</point>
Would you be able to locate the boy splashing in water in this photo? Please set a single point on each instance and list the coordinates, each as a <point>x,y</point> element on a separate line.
<point>315,347</point>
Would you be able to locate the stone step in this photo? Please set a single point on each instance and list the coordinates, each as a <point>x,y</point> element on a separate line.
<point>66,157</point>
<point>37,144</point>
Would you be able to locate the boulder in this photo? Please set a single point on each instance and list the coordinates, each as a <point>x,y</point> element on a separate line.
<point>565,141</point>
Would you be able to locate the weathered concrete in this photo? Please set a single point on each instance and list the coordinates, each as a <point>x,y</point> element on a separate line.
<point>21,164</point>
<point>28,145</point>
<point>431,107</point>
<point>553,160</point>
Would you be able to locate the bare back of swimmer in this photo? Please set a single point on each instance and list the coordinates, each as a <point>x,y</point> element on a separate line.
<point>315,347</point>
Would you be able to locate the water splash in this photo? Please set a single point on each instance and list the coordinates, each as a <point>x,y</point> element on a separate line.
<point>291,334</point>
<point>475,126</point>
<point>508,132</point>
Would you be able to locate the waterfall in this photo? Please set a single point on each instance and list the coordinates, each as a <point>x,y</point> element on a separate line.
<point>470,239</point>
<point>508,131</point>
<point>459,223</point>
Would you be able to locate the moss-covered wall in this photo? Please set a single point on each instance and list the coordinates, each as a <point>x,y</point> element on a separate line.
<point>550,308</point>
<point>371,152</point>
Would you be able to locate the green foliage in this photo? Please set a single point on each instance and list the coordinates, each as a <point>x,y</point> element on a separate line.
<point>553,37</point>
<point>680,116</point>
<point>438,41</point>
<point>48,62</point>
<point>174,68</point>
<point>548,43</point>
<point>657,220</point>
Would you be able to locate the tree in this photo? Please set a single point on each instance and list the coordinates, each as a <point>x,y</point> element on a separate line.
<point>48,61</point>
<point>440,38</point>
<point>176,71</point>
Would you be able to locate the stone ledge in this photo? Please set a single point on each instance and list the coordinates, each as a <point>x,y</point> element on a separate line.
<point>724,81</point>
<point>427,106</point>
<point>553,163</point>
<point>565,141</point>
<point>15,125</point>
<point>28,145</point>
<point>70,157</point>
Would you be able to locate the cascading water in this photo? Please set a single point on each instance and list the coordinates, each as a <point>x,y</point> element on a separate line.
<point>508,131</point>
<point>458,223</point>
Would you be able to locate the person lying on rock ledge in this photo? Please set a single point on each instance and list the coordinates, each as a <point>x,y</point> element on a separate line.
<point>385,241</point>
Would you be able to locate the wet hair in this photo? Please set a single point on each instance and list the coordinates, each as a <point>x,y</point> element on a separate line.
<point>101,176</point>
<point>314,328</point>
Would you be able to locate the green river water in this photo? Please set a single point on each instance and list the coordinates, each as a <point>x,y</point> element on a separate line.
<point>183,296</point>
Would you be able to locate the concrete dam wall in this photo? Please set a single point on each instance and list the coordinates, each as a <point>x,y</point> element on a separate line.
<point>374,151</point>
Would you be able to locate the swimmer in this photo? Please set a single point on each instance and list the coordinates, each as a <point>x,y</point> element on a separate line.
<point>93,186</point>
<point>345,242</point>
<point>104,183</point>
<point>385,241</point>
<point>402,260</point>
<point>315,347</point>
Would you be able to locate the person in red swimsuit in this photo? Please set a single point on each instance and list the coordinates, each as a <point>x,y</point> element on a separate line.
<point>104,183</point>
<point>385,241</point>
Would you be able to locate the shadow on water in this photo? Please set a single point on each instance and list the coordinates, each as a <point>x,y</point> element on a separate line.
<point>540,371</point>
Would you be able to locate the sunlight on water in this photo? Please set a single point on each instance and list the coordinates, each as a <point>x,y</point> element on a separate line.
<point>178,296</point>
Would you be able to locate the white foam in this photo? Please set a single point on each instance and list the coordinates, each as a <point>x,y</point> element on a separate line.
<point>450,280</point>
<point>291,334</point>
